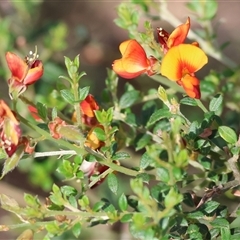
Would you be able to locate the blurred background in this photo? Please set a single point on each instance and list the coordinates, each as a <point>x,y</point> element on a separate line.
<point>67,28</point>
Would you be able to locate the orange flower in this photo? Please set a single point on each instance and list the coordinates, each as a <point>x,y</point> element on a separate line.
<point>180,63</point>
<point>24,72</point>
<point>177,37</point>
<point>88,106</point>
<point>134,61</point>
<point>10,131</point>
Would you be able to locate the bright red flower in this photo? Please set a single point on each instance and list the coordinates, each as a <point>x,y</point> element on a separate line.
<point>177,37</point>
<point>180,63</point>
<point>10,131</point>
<point>134,61</point>
<point>24,72</point>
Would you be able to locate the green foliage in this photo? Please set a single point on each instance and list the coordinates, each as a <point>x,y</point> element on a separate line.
<point>165,165</point>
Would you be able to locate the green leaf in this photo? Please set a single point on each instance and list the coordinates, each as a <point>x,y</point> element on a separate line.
<point>173,198</point>
<point>162,174</point>
<point>13,161</point>
<point>188,101</point>
<point>216,103</point>
<point>68,191</point>
<point>122,202</point>
<point>143,141</point>
<point>54,113</point>
<point>66,169</point>
<point>121,156</point>
<point>227,134</point>
<point>112,182</point>
<point>31,200</point>
<point>210,9</point>
<point>67,96</point>
<point>83,201</point>
<point>145,161</point>
<point>98,206</point>
<point>128,99</point>
<point>158,115</point>
<point>210,206</point>
<point>100,133</point>
<point>42,110</point>
<point>76,230</point>
<point>126,218</point>
<point>83,92</point>
<point>72,200</point>
<point>52,228</point>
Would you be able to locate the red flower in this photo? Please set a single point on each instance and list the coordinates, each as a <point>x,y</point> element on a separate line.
<point>177,37</point>
<point>33,111</point>
<point>10,131</point>
<point>134,61</point>
<point>180,63</point>
<point>24,72</point>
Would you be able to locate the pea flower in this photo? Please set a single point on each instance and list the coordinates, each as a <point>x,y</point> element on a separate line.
<point>134,61</point>
<point>10,131</point>
<point>177,37</point>
<point>180,64</point>
<point>24,72</point>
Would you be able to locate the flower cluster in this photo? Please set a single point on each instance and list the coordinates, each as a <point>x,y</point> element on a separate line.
<point>179,63</point>
<point>23,73</point>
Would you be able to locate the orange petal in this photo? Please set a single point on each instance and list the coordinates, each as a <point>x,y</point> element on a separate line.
<point>5,112</point>
<point>134,60</point>
<point>191,86</point>
<point>118,68</point>
<point>88,105</point>
<point>34,73</point>
<point>179,34</point>
<point>17,66</point>
<point>181,60</point>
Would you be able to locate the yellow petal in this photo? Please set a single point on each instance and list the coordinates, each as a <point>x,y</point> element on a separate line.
<point>181,60</point>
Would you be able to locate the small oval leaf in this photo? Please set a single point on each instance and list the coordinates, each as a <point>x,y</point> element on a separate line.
<point>227,134</point>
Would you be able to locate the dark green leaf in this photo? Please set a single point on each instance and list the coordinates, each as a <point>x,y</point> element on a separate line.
<point>210,206</point>
<point>158,115</point>
<point>128,99</point>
